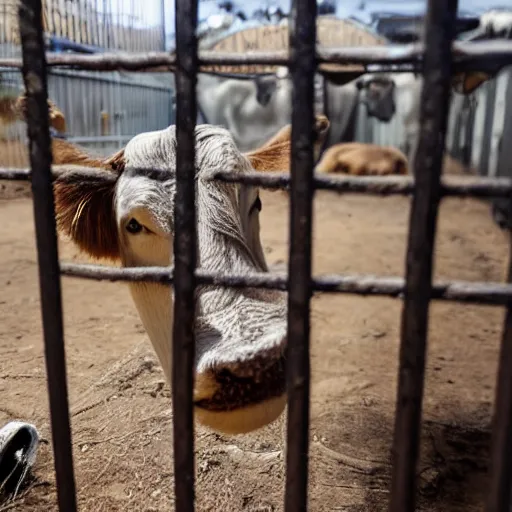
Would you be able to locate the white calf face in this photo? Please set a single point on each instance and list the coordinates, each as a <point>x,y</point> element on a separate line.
<point>240,334</point>
<point>118,209</point>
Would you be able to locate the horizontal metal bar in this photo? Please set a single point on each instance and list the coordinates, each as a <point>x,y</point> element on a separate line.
<point>458,291</point>
<point>380,186</point>
<point>15,174</point>
<point>484,53</point>
<point>100,138</point>
<point>376,185</point>
<point>109,79</point>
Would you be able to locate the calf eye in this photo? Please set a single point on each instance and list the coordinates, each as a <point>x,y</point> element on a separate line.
<point>256,205</point>
<point>133,227</point>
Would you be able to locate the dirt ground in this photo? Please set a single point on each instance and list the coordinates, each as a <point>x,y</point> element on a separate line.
<point>121,416</point>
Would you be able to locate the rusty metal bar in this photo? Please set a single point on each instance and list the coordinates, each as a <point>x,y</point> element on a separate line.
<point>302,34</point>
<point>34,78</point>
<point>375,185</point>
<point>437,71</point>
<point>459,291</point>
<point>185,255</point>
<point>500,483</point>
<point>495,53</point>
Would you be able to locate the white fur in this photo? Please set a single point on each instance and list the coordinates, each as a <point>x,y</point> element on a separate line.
<point>233,327</point>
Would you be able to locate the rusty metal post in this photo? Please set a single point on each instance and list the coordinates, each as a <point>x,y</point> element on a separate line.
<point>185,255</point>
<point>34,77</point>
<point>303,67</point>
<point>437,71</point>
<point>500,487</point>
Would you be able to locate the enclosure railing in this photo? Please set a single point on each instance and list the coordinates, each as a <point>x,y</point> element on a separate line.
<point>438,59</point>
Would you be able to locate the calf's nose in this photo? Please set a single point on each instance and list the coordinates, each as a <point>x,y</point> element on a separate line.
<point>236,396</point>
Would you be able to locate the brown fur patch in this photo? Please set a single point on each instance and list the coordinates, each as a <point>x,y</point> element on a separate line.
<point>273,158</point>
<point>84,199</point>
<point>8,113</point>
<point>363,159</point>
<point>65,152</point>
<point>274,155</point>
<point>467,83</point>
<point>84,205</point>
<point>116,161</point>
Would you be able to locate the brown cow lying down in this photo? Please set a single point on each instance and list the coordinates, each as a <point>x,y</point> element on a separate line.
<point>363,159</point>
<point>355,158</point>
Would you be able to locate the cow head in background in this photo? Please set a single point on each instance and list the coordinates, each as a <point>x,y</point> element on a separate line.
<point>378,94</point>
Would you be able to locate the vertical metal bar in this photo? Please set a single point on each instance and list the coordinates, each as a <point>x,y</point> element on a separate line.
<point>164,35</point>
<point>437,68</point>
<point>34,77</point>
<point>185,255</point>
<point>500,489</point>
<point>303,68</point>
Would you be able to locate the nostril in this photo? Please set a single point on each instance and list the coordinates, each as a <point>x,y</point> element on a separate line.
<point>243,383</point>
<point>227,375</point>
<point>252,371</point>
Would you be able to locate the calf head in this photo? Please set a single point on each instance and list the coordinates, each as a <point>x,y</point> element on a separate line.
<point>126,212</point>
<point>378,94</point>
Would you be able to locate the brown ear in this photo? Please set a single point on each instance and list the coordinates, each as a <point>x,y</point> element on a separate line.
<point>84,206</point>
<point>274,155</point>
<point>57,119</point>
<point>467,83</point>
<point>116,161</point>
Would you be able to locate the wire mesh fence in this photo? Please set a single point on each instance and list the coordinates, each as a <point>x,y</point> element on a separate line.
<point>438,60</point>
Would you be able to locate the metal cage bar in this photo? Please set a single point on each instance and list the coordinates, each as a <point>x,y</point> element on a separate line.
<point>34,77</point>
<point>303,67</point>
<point>486,54</point>
<point>500,488</point>
<point>459,291</point>
<point>379,186</point>
<point>185,255</point>
<point>437,71</point>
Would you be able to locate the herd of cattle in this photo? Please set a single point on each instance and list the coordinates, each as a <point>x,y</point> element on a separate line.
<point>254,108</point>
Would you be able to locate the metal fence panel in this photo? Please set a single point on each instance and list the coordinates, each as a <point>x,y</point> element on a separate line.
<point>417,289</point>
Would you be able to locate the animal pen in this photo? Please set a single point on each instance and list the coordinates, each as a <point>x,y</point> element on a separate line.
<point>437,61</point>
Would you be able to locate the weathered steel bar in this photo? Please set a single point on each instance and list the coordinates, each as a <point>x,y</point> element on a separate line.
<point>34,78</point>
<point>459,291</point>
<point>303,64</point>
<point>465,55</point>
<point>185,256</point>
<point>437,72</point>
<point>375,185</point>
<point>500,482</point>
